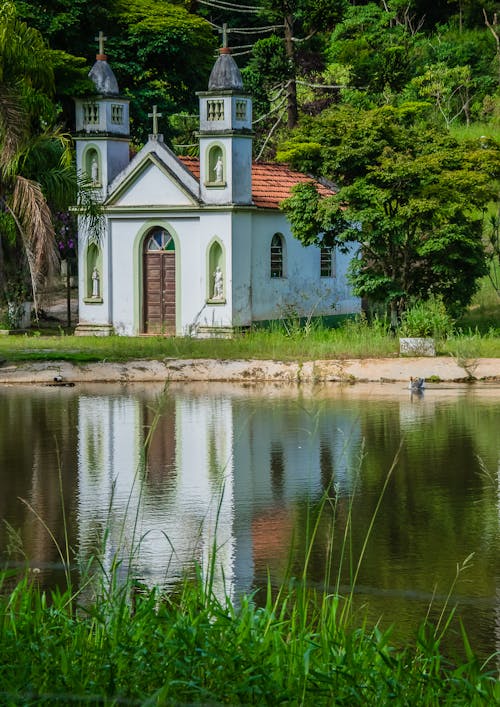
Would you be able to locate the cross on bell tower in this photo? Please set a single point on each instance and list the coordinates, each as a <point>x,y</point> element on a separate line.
<point>224,31</point>
<point>101,39</point>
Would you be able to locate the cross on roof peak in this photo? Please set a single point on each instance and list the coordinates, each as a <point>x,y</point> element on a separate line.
<point>224,31</point>
<point>155,115</point>
<point>101,39</point>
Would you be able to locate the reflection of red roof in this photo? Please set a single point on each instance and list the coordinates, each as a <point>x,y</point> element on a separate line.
<point>271,182</point>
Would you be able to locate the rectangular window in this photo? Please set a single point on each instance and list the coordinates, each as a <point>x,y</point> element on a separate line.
<point>91,113</point>
<point>327,261</point>
<point>116,114</point>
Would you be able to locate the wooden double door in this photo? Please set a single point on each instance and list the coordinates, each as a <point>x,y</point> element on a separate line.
<point>159,283</point>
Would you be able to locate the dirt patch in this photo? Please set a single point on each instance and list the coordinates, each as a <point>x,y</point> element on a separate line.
<point>436,370</point>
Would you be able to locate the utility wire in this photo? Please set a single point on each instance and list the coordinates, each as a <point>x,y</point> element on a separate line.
<point>253,30</point>
<point>230,7</point>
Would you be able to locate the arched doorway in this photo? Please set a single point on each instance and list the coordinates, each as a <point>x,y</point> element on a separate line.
<point>159,283</point>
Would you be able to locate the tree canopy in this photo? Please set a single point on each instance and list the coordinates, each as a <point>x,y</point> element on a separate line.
<point>35,160</point>
<point>410,194</point>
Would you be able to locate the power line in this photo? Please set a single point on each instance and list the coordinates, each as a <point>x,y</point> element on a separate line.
<point>220,5</point>
<point>254,30</point>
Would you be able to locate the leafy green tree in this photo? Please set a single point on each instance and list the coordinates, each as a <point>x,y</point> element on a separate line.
<point>412,199</point>
<point>160,52</point>
<point>162,55</point>
<point>36,173</point>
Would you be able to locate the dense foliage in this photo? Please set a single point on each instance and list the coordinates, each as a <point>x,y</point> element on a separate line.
<point>366,95</point>
<point>136,646</point>
<point>410,194</point>
<point>36,173</point>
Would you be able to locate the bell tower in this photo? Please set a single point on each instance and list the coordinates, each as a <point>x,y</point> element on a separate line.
<point>102,126</point>
<point>225,135</point>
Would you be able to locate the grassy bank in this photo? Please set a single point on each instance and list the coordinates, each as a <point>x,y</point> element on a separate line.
<point>144,648</point>
<point>354,339</point>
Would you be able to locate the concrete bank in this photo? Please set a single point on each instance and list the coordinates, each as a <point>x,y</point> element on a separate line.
<point>436,369</point>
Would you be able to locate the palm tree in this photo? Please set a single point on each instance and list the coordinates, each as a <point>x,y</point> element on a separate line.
<point>36,174</point>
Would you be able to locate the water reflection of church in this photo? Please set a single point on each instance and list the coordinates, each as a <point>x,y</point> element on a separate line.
<point>217,475</point>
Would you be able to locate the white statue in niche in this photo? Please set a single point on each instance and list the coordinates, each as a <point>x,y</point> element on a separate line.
<point>218,284</point>
<point>94,171</point>
<point>95,283</point>
<point>219,170</point>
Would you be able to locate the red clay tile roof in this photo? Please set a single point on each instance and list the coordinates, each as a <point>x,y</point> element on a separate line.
<point>271,182</point>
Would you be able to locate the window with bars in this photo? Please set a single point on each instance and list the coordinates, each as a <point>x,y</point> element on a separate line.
<point>327,261</point>
<point>116,114</point>
<point>241,110</point>
<point>91,113</point>
<point>277,256</point>
<point>215,110</point>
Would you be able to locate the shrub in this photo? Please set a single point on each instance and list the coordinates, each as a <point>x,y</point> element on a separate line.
<point>427,319</point>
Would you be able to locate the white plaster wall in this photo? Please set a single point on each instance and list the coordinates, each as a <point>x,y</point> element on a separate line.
<point>238,162</point>
<point>118,152</point>
<point>114,156</point>
<point>154,188</point>
<point>301,289</point>
<point>250,292</point>
<point>123,294</point>
<point>242,170</point>
<point>242,267</point>
<point>196,310</point>
<point>94,312</point>
<point>194,235</point>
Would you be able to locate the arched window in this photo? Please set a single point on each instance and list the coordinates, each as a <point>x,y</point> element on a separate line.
<point>277,255</point>
<point>159,240</point>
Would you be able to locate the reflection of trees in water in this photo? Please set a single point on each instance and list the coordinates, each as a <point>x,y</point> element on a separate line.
<point>160,423</point>
<point>31,455</point>
<point>280,456</point>
<point>277,469</point>
<point>438,506</point>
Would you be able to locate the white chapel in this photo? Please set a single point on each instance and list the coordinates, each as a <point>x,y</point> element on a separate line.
<point>193,247</point>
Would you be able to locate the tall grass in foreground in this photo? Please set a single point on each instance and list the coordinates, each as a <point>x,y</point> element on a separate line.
<point>191,648</point>
<point>296,645</point>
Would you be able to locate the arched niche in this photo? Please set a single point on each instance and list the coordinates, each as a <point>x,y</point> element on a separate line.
<point>216,166</point>
<point>216,278</point>
<point>92,165</point>
<point>93,275</point>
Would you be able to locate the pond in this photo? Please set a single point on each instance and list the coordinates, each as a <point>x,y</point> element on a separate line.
<point>159,478</point>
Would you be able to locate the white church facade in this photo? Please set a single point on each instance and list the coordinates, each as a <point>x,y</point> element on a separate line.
<point>193,247</point>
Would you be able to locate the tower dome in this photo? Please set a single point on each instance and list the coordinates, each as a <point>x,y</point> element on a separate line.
<point>103,77</point>
<point>225,75</point>
<point>101,74</point>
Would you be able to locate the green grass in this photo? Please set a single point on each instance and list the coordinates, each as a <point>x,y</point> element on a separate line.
<point>292,339</point>
<point>355,339</point>
<point>148,648</point>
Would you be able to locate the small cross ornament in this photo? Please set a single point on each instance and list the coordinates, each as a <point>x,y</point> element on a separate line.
<point>155,115</point>
<point>101,39</point>
<point>224,31</point>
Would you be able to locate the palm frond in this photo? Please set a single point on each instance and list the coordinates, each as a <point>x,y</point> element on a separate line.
<point>90,210</point>
<point>13,126</point>
<point>36,228</point>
